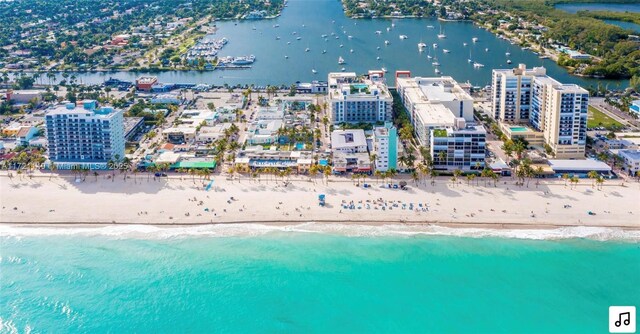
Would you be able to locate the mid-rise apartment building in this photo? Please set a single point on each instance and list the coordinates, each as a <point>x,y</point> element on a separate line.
<point>385,144</point>
<point>354,99</point>
<point>84,133</point>
<point>441,113</point>
<point>557,111</point>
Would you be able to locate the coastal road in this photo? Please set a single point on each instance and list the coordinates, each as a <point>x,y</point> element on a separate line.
<point>613,112</point>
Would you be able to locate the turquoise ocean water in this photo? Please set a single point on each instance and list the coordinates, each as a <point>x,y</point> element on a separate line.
<point>288,281</point>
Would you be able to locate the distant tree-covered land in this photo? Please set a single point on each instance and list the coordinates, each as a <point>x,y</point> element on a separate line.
<point>375,8</point>
<point>78,33</point>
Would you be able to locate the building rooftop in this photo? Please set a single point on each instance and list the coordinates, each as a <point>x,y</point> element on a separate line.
<point>631,154</point>
<point>76,109</point>
<point>434,114</point>
<point>579,165</point>
<point>341,139</point>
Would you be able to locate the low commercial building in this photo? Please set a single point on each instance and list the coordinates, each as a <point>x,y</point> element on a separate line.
<point>314,87</point>
<point>210,134</point>
<point>24,96</point>
<point>180,134</point>
<point>198,117</point>
<point>351,162</point>
<point>132,125</point>
<point>579,168</point>
<point>263,132</point>
<point>349,141</point>
<point>166,99</point>
<point>635,107</point>
<point>256,158</point>
<point>145,83</point>
<point>631,160</point>
<point>24,136</point>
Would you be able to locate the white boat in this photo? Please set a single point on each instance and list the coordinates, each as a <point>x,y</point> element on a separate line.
<point>307,50</point>
<point>314,71</point>
<point>303,25</point>
<point>342,69</point>
<point>377,58</point>
<point>341,45</point>
<point>477,65</point>
<point>388,29</point>
<point>445,51</point>
<point>386,42</point>
<point>276,25</point>
<point>435,45</point>
<point>508,61</point>
<point>324,51</point>
<point>384,70</point>
<point>437,71</point>
<point>349,37</point>
<point>464,44</point>
<point>337,37</point>
<point>507,53</point>
<point>253,28</point>
<point>323,35</point>
<point>435,62</point>
<point>293,33</point>
<point>422,45</point>
<point>442,35</point>
<point>393,25</point>
<point>277,37</point>
<point>340,60</point>
<point>486,49</point>
<point>469,59</point>
<point>286,57</point>
<point>403,37</point>
<point>475,39</point>
<point>351,50</point>
<point>430,27</point>
<point>378,48</point>
<point>298,38</point>
<point>288,43</point>
<point>378,32</point>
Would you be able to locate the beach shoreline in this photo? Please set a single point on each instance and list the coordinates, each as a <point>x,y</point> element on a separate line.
<point>61,200</point>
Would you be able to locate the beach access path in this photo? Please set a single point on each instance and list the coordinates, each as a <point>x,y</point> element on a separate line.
<point>183,200</point>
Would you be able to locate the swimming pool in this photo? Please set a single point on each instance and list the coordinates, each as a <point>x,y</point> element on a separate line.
<point>518,129</point>
<point>299,146</point>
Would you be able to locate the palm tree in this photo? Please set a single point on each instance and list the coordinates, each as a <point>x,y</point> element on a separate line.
<point>565,177</point>
<point>52,168</point>
<point>327,173</point>
<point>456,174</point>
<point>575,180</point>
<point>600,181</point>
<point>415,177</point>
<point>593,175</point>
<point>470,178</point>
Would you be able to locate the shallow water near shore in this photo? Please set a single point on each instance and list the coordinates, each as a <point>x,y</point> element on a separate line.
<point>291,281</point>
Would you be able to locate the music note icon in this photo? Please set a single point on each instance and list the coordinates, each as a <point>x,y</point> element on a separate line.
<point>622,319</point>
<point>627,321</point>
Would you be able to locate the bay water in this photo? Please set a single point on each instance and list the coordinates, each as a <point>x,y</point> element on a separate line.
<point>311,19</point>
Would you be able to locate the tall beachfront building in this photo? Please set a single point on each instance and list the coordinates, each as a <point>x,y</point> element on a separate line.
<point>385,144</point>
<point>441,112</point>
<point>354,99</point>
<point>556,112</point>
<point>84,134</point>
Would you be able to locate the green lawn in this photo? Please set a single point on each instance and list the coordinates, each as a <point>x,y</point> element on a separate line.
<point>597,118</point>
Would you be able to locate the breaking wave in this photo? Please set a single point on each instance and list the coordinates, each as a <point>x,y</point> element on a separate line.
<point>350,230</point>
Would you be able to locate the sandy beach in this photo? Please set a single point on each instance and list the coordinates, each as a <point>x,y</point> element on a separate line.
<point>62,200</point>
